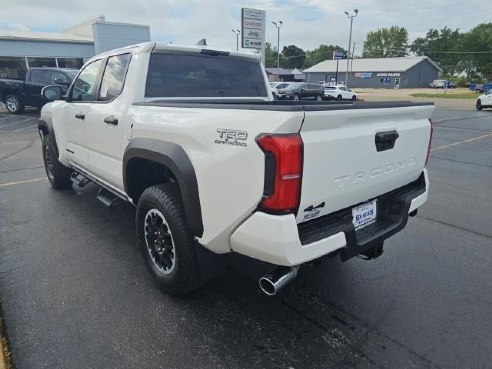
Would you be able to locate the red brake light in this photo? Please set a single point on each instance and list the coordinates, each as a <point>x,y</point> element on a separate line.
<point>283,171</point>
<point>430,142</point>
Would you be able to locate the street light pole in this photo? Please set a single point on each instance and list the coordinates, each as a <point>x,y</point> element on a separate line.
<point>236,32</point>
<point>279,25</point>
<point>356,11</point>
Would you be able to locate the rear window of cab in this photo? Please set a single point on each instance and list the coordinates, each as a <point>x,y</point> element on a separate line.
<point>204,76</point>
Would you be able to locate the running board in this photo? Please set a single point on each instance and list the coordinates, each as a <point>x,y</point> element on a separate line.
<point>79,180</point>
<point>107,197</point>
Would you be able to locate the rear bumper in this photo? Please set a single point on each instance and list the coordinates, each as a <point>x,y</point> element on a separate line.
<point>279,240</point>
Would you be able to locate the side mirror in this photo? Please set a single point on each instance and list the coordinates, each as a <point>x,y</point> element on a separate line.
<point>52,93</point>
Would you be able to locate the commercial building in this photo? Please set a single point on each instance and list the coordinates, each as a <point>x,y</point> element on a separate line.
<point>407,72</point>
<point>20,50</point>
<point>285,75</point>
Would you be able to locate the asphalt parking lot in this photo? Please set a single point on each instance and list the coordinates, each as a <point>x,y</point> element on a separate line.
<point>75,292</point>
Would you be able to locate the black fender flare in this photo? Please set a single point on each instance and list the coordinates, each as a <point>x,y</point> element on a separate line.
<point>172,156</point>
<point>48,126</point>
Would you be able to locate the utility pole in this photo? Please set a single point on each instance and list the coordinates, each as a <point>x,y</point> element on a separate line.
<point>278,26</point>
<point>356,11</point>
<point>236,32</point>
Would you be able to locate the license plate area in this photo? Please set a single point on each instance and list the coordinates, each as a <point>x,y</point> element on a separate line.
<point>364,214</point>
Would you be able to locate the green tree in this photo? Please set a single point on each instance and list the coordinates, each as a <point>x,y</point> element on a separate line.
<point>477,48</point>
<point>321,53</point>
<point>292,57</point>
<point>386,42</point>
<point>443,46</point>
<point>270,55</point>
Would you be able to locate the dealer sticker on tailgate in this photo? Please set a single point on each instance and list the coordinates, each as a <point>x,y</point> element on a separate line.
<point>364,214</point>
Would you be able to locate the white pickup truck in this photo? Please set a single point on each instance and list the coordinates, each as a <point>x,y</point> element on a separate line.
<point>192,137</point>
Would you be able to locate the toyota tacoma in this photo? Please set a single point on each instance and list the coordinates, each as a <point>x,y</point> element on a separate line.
<point>192,138</point>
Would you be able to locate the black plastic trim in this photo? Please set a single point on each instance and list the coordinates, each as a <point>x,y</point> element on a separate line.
<point>392,216</point>
<point>172,156</point>
<point>279,105</point>
<point>49,127</point>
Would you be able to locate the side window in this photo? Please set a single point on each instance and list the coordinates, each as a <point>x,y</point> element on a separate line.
<point>59,78</point>
<point>114,77</point>
<point>40,76</point>
<point>85,84</point>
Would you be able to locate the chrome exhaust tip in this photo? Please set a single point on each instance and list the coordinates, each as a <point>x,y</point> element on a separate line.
<point>277,279</point>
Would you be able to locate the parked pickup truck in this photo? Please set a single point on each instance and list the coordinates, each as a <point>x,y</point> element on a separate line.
<point>192,137</point>
<point>17,94</point>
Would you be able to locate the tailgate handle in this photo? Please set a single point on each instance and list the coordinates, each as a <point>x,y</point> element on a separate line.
<point>386,140</point>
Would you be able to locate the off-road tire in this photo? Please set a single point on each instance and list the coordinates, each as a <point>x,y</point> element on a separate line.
<point>185,274</point>
<point>57,173</point>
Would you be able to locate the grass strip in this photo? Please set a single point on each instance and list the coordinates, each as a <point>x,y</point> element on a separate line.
<point>449,95</point>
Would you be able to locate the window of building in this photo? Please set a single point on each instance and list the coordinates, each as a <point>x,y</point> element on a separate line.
<point>41,62</point>
<point>40,76</point>
<point>72,63</point>
<point>114,77</point>
<point>12,67</point>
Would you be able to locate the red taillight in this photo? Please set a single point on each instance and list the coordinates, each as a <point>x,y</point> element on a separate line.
<point>430,142</point>
<point>283,171</point>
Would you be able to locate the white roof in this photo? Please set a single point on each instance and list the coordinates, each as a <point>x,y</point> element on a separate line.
<point>6,34</point>
<point>370,65</point>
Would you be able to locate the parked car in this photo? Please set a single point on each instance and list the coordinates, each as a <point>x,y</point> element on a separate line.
<point>301,91</point>
<point>339,93</point>
<point>442,83</point>
<point>275,86</point>
<point>484,87</point>
<point>17,94</point>
<point>437,83</point>
<point>192,137</point>
<point>484,101</point>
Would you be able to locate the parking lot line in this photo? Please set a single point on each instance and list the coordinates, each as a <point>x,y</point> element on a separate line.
<point>14,183</point>
<point>25,128</point>
<point>14,123</point>
<point>461,142</point>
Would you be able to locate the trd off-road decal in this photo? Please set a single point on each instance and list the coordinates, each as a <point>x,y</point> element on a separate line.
<point>231,137</point>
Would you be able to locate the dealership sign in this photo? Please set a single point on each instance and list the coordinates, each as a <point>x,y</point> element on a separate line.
<point>338,55</point>
<point>253,29</point>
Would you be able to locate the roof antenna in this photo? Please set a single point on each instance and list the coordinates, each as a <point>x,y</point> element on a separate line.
<point>202,42</point>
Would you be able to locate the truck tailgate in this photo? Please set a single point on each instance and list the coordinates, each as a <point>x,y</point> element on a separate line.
<point>348,158</point>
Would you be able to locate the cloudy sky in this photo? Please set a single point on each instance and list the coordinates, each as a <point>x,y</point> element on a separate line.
<point>307,23</point>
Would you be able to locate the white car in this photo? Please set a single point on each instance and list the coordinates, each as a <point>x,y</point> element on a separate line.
<point>339,93</point>
<point>484,101</point>
<point>192,137</point>
<point>275,86</point>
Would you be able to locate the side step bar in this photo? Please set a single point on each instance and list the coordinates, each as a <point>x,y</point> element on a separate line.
<point>79,180</point>
<point>107,197</point>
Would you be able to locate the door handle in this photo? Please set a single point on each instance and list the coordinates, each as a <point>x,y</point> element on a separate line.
<point>80,116</point>
<point>386,140</point>
<point>111,120</point>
